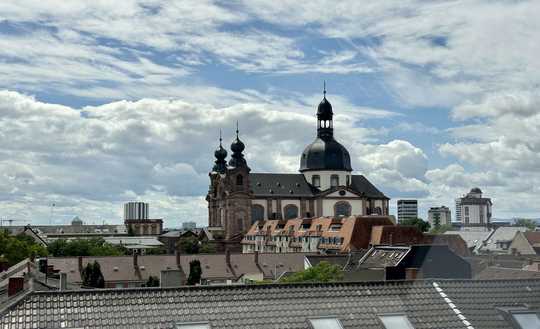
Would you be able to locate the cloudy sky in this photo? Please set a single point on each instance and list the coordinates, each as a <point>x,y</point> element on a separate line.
<point>104,102</point>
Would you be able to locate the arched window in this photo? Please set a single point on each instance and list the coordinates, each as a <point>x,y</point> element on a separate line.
<point>334,180</point>
<point>239,180</point>
<point>342,208</point>
<point>378,210</point>
<point>257,213</point>
<point>316,180</point>
<point>291,211</point>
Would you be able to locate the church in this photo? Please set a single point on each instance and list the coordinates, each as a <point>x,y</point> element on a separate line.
<point>324,186</point>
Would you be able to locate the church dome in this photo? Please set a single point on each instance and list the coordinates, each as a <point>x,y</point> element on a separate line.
<point>476,190</point>
<point>76,221</point>
<point>324,110</point>
<point>237,146</point>
<point>325,154</point>
<point>220,153</point>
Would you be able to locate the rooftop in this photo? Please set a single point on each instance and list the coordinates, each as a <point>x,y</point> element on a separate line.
<point>426,304</point>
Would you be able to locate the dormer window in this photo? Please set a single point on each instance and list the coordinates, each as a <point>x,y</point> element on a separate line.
<point>334,181</point>
<point>316,180</point>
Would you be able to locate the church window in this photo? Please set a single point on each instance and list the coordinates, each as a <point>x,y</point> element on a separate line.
<point>291,211</point>
<point>316,180</point>
<point>257,213</point>
<point>334,180</point>
<point>342,208</point>
<point>239,180</point>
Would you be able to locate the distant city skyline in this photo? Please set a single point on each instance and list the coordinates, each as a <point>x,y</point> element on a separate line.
<point>126,104</point>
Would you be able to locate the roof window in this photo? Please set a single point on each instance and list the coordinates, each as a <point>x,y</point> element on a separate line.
<point>325,323</point>
<point>396,321</point>
<point>526,320</point>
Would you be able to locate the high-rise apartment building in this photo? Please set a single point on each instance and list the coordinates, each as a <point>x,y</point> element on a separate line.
<point>407,209</point>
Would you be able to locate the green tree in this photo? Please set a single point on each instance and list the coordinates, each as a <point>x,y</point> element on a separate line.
<point>189,245</point>
<point>152,282</point>
<point>322,272</point>
<point>18,247</point>
<point>84,247</point>
<point>207,248</point>
<point>528,223</point>
<point>92,277</point>
<point>422,225</point>
<point>441,229</point>
<point>195,273</point>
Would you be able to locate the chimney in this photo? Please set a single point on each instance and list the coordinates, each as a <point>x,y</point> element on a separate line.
<point>15,285</point>
<point>80,264</point>
<point>228,257</point>
<point>177,256</point>
<point>256,257</point>
<point>135,260</point>
<point>63,281</point>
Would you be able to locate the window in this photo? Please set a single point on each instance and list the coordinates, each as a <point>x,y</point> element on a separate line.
<point>396,322</point>
<point>193,325</point>
<point>334,180</point>
<point>291,211</point>
<point>239,180</point>
<point>325,323</point>
<point>316,180</point>
<point>342,208</point>
<point>466,211</point>
<point>348,180</point>
<point>257,213</point>
<point>527,320</point>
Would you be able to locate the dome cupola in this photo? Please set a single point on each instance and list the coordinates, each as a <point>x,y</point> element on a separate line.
<point>237,157</point>
<point>325,153</point>
<point>220,165</point>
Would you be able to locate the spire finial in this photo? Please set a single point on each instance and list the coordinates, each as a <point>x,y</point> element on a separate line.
<point>220,138</point>
<point>324,89</point>
<point>236,129</point>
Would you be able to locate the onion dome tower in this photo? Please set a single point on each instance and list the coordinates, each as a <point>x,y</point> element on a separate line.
<point>325,153</point>
<point>237,157</point>
<point>220,165</point>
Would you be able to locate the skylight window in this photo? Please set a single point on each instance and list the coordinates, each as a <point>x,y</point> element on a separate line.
<point>325,323</point>
<point>527,320</point>
<point>193,325</point>
<point>396,322</point>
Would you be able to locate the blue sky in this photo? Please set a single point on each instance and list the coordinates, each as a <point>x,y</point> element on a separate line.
<point>110,102</point>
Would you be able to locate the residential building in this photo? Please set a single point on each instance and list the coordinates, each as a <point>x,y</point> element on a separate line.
<point>442,214</point>
<point>473,238</point>
<point>189,225</point>
<point>474,210</point>
<point>323,234</point>
<point>458,210</point>
<point>136,210</point>
<point>407,209</point>
<point>378,305</point>
<point>525,243</point>
<point>227,268</point>
<point>324,186</point>
<point>500,240</point>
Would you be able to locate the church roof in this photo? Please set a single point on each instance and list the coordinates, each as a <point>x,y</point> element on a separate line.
<point>295,185</point>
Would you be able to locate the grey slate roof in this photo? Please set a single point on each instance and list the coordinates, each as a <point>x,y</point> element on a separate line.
<point>295,185</point>
<point>478,300</point>
<point>258,306</point>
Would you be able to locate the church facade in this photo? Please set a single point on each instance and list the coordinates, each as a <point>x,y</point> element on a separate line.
<point>325,185</point>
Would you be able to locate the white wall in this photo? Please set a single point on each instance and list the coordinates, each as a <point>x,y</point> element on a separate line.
<point>325,177</point>
<point>285,202</point>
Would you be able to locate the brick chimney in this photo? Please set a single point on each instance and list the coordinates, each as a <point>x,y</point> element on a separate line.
<point>15,285</point>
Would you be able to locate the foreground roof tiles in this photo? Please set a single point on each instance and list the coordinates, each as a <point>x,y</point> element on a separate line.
<point>356,305</point>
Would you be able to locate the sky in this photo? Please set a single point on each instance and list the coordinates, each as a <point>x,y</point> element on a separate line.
<point>105,102</point>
